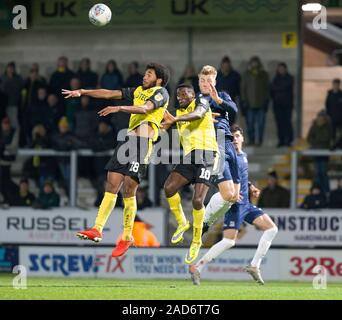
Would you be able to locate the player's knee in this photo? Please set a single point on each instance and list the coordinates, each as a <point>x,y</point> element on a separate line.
<point>111,188</point>
<point>129,190</point>
<point>229,242</point>
<point>274,230</point>
<point>169,190</point>
<point>228,196</point>
<point>197,203</point>
<point>128,193</point>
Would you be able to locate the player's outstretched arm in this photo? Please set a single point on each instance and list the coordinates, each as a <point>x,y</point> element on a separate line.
<point>168,120</point>
<point>143,109</point>
<point>197,114</point>
<point>96,93</point>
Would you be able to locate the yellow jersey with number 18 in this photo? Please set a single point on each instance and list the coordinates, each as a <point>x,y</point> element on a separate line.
<point>158,96</point>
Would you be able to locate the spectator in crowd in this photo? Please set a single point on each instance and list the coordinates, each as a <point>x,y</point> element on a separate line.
<point>32,85</point>
<point>190,77</point>
<point>88,78</point>
<point>228,79</point>
<point>333,106</point>
<point>315,200</point>
<point>30,97</point>
<point>37,108</point>
<point>334,59</point>
<point>112,78</point>
<point>135,78</point>
<point>61,78</point>
<point>35,114</point>
<point>335,201</point>
<point>85,120</point>
<point>338,144</point>
<point>142,234</point>
<point>105,137</point>
<point>103,140</point>
<point>282,97</point>
<point>72,105</point>
<point>23,197</point>
<point>255,99</point>
<point>48,197</point>
<point>40,168</point>
<point>3,103</point>
<point>142,198</point>
<point>85,127</point>
<point>9,138</point>
<point>65,140</point>
<point>52,113</point>
<point>320,137</point>
<point>274,195</point>
<point>12,84</point>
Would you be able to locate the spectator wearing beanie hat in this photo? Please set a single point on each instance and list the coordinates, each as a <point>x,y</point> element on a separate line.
<point>274,195</point>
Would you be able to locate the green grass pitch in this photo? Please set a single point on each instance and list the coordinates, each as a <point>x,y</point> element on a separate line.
<point>114,289</point>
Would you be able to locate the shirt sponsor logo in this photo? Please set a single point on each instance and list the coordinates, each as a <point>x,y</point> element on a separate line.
<point>158,97</point>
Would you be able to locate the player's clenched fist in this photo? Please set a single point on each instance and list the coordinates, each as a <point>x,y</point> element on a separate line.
<point>254,191</point>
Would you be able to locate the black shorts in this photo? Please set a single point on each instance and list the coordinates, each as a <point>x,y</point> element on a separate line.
<point>131,157</point>
<point>199,166</point>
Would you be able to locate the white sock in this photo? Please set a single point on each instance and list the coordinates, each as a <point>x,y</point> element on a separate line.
<point>264,244</point>
<point>216,208</point>
<point>214,252</point>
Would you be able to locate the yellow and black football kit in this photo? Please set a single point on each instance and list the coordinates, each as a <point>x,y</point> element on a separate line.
<point>199,144</point>
<point>132,156</point>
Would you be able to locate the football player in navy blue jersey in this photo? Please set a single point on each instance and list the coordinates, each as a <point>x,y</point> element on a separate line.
<point>241,211</point>
<point>228,180</point>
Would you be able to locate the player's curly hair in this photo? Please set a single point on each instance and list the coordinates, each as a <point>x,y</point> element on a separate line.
<point>161,71</point>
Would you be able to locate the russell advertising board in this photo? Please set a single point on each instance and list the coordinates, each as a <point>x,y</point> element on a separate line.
<point>59,226</point>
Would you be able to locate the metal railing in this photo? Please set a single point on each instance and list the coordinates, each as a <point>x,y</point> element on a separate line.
<point>294,167</point>
<point>73,155</point>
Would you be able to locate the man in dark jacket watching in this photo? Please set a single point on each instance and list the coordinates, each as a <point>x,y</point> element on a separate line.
<point>274,195</point>
<point>282,97</point>
<point>315,200</point>
<point>336,196</point>
<point>333,106</point>
<point>23,197</point>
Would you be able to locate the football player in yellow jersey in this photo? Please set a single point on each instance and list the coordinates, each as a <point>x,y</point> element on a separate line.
<point>150,102</point>
<point>197,134</point>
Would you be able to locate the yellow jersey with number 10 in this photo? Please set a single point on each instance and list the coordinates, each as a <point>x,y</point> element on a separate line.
<point>199,134</point>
